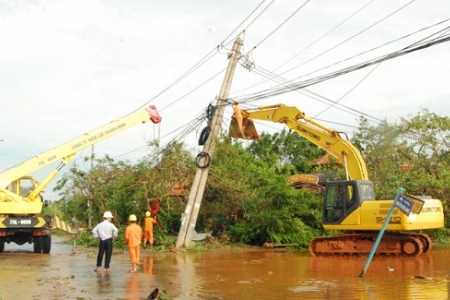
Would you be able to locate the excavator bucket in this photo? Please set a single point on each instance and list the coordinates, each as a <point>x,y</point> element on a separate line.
<point>248,131</point>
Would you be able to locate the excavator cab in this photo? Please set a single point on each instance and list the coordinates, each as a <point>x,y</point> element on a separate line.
<point>342,197</point>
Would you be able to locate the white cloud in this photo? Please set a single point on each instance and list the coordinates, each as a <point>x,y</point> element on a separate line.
<point>68,67</point>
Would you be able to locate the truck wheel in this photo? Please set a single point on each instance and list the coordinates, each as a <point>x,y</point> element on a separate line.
<point>46,243</point>
<point>37,244</point>
<point>2,244</point>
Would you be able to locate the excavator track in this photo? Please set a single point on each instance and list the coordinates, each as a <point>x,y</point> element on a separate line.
<point>359,244</point>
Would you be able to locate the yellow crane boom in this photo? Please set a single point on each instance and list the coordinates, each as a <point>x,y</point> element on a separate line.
<point>21,218</point>
<point>10,184</point>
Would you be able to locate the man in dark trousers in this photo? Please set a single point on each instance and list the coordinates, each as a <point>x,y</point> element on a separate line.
<point>106,232</point>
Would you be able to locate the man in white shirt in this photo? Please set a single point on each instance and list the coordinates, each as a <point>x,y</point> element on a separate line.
<point>106,232</point>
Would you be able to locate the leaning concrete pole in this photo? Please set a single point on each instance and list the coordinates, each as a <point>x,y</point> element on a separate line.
<point>189,218</point>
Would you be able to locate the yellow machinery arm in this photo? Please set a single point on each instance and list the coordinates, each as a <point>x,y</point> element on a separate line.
<point>326,138</point>
<point>64,153</point>
<point>350,204</point>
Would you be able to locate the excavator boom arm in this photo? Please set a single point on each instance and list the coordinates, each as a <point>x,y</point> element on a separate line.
<point>327,139</point>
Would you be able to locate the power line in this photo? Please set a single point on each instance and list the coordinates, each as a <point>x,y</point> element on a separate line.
<point>291,86</point>
<point>305,83</point>
<point>324,35</point>
<point>282,23</point>
<point>353,36</point>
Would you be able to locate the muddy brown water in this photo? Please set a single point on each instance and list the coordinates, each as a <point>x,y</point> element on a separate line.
<point>258,274</point>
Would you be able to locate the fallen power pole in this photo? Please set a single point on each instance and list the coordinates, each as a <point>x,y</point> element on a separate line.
<point>189,218</point>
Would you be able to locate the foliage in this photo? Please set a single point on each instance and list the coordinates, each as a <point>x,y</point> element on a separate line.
<point>124,188</point>
<point>286,151</point>
<point>246,198</point>
<point>281,216</point>
<point>260,207</point>
<point>412,155</point>
<point>85,238</point>
<point>379,146</point>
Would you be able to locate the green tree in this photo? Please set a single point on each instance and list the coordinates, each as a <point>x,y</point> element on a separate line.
<point>246,197</point>
<point>412,154</point>
<point>380,146</point>
<point>425,138</point>
<point>122,187</point>
<point>287,151</point>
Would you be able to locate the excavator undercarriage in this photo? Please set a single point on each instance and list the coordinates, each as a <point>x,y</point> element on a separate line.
<point>357,244</point>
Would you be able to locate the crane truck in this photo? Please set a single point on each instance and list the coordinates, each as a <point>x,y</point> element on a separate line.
<point>21,202</point>
<point>349,205</point>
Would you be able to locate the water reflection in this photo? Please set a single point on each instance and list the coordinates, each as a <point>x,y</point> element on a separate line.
<point>104,283</point>
<point>133,286</point>
<point>294,275</point>
<point>147,265</point>
<point>261,274</point>
<point>187,280</point>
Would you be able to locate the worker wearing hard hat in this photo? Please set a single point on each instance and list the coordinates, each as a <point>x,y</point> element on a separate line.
<point>133,237</point>
<point>106,232</point>
<point>148,229</point>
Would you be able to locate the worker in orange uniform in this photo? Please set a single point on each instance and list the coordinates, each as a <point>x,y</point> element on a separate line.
<point>133,237</point>
<point>148,229</point>
<point>237,115</point>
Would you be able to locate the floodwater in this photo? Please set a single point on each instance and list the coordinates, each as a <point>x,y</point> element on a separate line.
<point>294,275</point>
<point>259,274</point>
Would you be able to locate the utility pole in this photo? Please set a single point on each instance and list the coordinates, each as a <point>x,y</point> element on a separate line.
<point>189,218</point>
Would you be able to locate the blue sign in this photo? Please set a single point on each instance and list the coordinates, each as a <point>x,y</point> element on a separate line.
<point>404,204</point>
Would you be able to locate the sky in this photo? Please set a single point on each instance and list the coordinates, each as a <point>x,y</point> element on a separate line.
<point>69,67</point>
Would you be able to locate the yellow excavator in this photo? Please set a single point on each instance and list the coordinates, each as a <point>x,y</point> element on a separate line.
<point>349,205</point>
<point>21,203</point>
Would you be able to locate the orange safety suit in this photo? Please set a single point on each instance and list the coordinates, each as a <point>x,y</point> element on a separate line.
<point>133,237</point>
<point>148,229</point>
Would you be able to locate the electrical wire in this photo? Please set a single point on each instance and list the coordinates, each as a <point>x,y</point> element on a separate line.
<point>348,92</point>
<point>377,48</point>
<point>287,87</point>
<point>195,89</point>
<point>424,43</point>
<point>353,36</point>
<point>274,91</point>
<point>237,29</point>
<point>208,56</point>
<point>310,45</point>
<point>325,34</point>
<point>359,10</point>
<point>273,77</point>
<point>279,26</point>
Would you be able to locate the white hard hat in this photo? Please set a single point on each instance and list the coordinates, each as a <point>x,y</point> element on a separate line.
<point>107,214</point>
<point>236,101</point>
<point>132,218</point>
